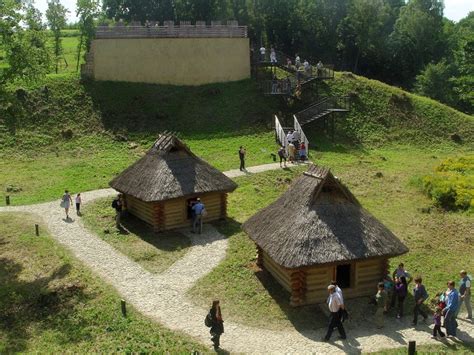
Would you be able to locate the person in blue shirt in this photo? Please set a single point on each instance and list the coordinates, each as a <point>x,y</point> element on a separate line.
<point>451,309</point>
<point>198,209</point>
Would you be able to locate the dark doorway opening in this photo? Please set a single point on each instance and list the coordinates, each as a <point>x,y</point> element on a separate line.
<point>189,207</point>
<point>343,275</point>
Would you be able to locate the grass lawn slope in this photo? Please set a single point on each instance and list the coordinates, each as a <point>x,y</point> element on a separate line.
<point>50,303</point>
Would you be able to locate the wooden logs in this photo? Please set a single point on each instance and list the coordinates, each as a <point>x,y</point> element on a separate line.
<point>298,287</point>
<point>223,205</point>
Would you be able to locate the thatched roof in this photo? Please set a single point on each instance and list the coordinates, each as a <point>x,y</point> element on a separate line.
<point>170,170</point>
<point>317,221</point>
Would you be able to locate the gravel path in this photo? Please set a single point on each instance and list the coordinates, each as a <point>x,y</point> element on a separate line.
<point>163,297</point>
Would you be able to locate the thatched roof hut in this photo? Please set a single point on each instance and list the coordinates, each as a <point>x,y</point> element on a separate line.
<point>159,187</point>
<point>318,227</point>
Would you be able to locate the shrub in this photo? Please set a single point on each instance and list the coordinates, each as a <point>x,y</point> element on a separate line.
<point>451,186</point>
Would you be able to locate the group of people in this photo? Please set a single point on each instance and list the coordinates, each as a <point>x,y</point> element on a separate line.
<point>394,289</point>
<point>66,202</point>
<point>296,149</point>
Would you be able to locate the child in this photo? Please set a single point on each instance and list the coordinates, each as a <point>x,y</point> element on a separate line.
<point>437,323</point>
<point>78,204</point>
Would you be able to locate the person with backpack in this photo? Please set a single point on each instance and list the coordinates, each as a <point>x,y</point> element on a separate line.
<point>465,293</point>
<point>66,202</point>
<point>198,212</point>
<point>216,323</point>
<point>420,295</point>
<point>117,205</point>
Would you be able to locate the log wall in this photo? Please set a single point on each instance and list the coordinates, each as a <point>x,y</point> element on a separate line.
<point>309,285</point>
<point>143,210</point>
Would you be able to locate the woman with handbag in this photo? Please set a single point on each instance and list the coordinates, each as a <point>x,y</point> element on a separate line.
<point>66,202</point>
<point>217,324</point>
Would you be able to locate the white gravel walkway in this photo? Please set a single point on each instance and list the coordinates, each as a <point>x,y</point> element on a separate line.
<point>162,297</point>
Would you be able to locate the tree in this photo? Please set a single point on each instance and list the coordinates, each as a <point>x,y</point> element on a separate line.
<point>87,12</point>
<point>24,41</point>
<point>435,81</point>
<point>417,38</point>
<point>56,16</point>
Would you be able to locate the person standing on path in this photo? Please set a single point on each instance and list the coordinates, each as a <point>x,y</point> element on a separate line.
<point>217,327</point>
<point>382,305</point>
<point>465,293</point>
<point>451,309</point>
<point>78,204</point>
<point>437,323</point>
<point>117,205</point>
<point>420,295</point>
<point>262,53</point>
<point>399,272</point>
<point>66,202</point>
<point>335,304</point>
<point>242,153</point>
<point>282,155</point>
<point>198,210</point>
<point>401,289</point>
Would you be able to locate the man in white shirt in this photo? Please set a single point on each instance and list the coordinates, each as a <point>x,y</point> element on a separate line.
<point>296,136</point>
<point>335,304</point>
<point>290,137</point>
<point>297,61</point>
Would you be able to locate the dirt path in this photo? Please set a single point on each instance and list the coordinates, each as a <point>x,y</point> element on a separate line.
<point>162,297</point>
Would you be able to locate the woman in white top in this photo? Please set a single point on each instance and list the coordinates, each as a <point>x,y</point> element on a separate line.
<point>78,204</point>
<point>66,202</point>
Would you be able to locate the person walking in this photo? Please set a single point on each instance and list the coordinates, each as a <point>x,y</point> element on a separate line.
<point>398,273</point>
<point>319,68</point>
<point>262,53</point>
<point>382,305</point>
<point>66,202</point>
<point>242,153</point>
<point>282,155</point>
<point>302,151</point>
<point>297,61</point>
<point>273,56</point>
<point>335,304</point>
<point>198,210</point>
<point>291,152</point>
<point>420,295</point>
<point>117,205</point>
<point>217,324</point>
<point>437,323</point>
<point>78,200</point>
<point>401,289</point>
<point>451,309</point>
<point>465,293</point>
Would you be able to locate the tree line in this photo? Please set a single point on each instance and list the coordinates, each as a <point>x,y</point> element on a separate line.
<point>404,43</point>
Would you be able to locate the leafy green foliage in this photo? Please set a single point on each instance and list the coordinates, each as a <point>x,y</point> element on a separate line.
<point>51,303</point>
<point>87,11</point>
<point>452,185</point>
<point>56,16</point>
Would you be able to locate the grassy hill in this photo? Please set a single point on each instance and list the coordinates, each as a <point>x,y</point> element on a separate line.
<point>67,133</point>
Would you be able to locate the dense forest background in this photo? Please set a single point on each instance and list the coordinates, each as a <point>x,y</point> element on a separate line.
<point>409,44</point>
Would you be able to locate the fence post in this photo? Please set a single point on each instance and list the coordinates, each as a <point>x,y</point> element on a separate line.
<point>411,347</point>
<point>124,308</point>
<point>7,200</point>
<point>37,230</point>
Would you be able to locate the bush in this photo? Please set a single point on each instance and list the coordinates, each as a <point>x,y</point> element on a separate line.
<point>452,185</point>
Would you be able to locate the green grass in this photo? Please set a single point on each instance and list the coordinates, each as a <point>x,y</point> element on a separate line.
<point>438,241</point>
<point>50,303</point>
<point>138,242</point>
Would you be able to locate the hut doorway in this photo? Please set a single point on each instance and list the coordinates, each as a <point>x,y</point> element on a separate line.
<point>343,275</point>
<point>189,207</point>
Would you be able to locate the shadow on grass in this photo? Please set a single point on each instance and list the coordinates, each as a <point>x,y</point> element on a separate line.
<point>43,301</point>
<point>165,241</point>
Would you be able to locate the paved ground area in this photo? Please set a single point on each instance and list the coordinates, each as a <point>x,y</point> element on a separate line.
<point>163,297</point>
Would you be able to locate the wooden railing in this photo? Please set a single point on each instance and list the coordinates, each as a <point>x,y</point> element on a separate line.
<point>169,30</point>
<point>303,138</point>
<point>326,105</point>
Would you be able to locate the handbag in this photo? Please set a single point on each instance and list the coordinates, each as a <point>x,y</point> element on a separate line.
<point>208,320</point>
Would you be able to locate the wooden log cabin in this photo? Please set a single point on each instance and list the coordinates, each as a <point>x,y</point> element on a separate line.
<point>317,232</point>
<point>160,187</point>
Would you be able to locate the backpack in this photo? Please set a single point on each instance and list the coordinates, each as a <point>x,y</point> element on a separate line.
<point>425,294</point>
<point>208,320</point>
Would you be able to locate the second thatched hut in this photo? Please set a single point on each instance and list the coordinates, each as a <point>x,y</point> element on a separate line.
<point>317,232</point>
<point>161,186</point>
